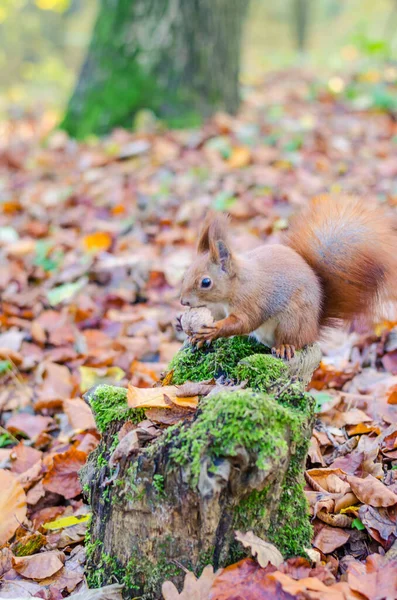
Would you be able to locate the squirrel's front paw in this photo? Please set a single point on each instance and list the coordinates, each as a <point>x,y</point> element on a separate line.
<point>284,351</point>
<point>205,334</point>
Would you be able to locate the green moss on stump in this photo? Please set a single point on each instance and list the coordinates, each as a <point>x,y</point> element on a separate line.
<point>261,371</point>
<point>221,358</point>
<point>109,404</point>
<point>231,420</point>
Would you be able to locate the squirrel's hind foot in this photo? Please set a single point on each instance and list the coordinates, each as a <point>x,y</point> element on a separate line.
<point>285,351</point>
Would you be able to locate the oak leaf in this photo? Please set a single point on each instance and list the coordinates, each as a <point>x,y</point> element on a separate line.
<point>264,552</point>
<point>193,588</point>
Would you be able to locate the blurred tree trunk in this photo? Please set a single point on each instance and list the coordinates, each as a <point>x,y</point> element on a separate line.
<point>179,58</point>
<point>300,19</point>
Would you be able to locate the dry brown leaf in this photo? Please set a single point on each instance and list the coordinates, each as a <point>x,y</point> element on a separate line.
<point>195,388</point>
<point>193,588</point>
<point>371,491</point>
<point>39,566</point>
<point>57,383</point>
<point>62,478</point>
<point>5,560</point>
<point>376,579</point>
<point>309,587</point>
<point>30,425</point>
<point>23,458</point>
<point>264,552</point>
<point>380,522</point>
<point>109,592</point>
<point>12,505</point>
<point>327,480</point>
<point>64,579</point>
<point>330,538</point>
<point>31,476</point>
<point>161,397</point>
<point>79,414</point>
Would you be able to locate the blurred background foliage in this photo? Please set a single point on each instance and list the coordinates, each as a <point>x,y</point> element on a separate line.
<point>43,43</point>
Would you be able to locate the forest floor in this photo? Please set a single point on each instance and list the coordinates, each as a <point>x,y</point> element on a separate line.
<point>94,239</point>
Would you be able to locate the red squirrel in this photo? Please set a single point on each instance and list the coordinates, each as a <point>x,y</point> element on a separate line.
<point>339,260</point>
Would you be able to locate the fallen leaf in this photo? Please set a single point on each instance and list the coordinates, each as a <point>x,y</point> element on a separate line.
<point>376,579</point>
<point>12,505</point>
<point>109,592</point>
<point>79,414</point>
<point>62,478</point>
<point>327,480</point>
<point>30,425</point>
<point>371,491</point>
<point>39,566</point>
<point>64,579</point>
<point>380,522</point>
<point>193,588</point>
<point>66,291</point>
<point>5,560</point>
<point>23,458</point>
<point>309,588</point>
<point>244,580</point>
<point>97,242</point>
<point>160,397</point>
<point>330,538</point>
<point>240,157</point>
<point>90,376</point>
<point>66,522</point>
<point>264,552</point>
<point>57,383</point>
<point>28,544</point>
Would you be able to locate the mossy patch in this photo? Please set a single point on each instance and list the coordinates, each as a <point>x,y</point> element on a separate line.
<point>138,573</point>
<point>109,404</point>
<point>261,371</point>
<point>221,358</point>
<point>231,420</point>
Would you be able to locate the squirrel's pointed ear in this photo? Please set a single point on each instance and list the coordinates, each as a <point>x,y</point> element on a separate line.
<point>203,244</point>
<point>223,256</point>
<point>213,239</point>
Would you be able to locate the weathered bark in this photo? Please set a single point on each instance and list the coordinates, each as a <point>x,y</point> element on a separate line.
<point>179,58</point>
<point>238,465</point>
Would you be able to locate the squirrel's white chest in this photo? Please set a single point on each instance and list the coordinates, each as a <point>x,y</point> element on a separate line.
<point>266,332</point>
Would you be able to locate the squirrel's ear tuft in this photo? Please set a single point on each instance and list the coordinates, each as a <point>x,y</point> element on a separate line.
<point>214,229</point>
<point>224,257</point>
<point>203,244</point>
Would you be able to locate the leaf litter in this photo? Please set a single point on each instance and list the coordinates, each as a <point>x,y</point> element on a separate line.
<point>94,239</point>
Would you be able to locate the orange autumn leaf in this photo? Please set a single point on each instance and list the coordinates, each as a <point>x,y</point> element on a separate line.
<point>100,241</point>
<point>62,477</point>
<point>392,399</point>
<point>12,505</point>
<point>240,157</point>
<point>362,428</point>
<point>161,397</point>
<point>39,566</point>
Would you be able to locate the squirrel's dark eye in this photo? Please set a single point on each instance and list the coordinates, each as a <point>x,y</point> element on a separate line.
<point>206,282</point>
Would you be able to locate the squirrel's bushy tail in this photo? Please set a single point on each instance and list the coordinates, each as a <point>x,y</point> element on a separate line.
<point>352,247</point>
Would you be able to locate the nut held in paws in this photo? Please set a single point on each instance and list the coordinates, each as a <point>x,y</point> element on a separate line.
<point>195,318</point>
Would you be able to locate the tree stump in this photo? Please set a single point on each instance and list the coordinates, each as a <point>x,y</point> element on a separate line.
<point>237,465</point>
